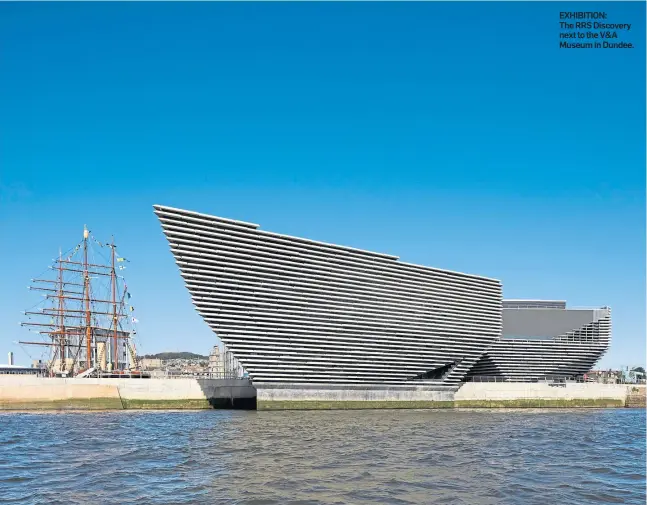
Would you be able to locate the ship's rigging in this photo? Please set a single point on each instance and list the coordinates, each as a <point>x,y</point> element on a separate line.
<point>86,320</point>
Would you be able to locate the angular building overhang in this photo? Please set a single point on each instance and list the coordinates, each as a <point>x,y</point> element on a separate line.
<point>298,311</point>
<point>295,310</point>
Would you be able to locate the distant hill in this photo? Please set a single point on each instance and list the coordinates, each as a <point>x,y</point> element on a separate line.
<point>176,355</point>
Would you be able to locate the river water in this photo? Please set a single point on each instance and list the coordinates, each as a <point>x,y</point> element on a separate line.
<point>475,457</point>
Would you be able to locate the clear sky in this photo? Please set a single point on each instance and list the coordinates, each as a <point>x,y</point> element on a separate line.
<point>453,135</point>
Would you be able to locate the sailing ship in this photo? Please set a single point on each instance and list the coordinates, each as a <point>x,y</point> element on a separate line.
<point>85,321</point>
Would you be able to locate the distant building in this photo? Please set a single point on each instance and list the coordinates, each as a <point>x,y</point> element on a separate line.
<point>624,376</point>
<point>18,370</point>
<point>11,368</point>
<point>216,363</point>
<point>151,363</point>
<point>39,363</point>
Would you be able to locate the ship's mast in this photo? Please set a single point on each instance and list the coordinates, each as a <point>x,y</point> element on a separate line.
<point>113,275</point>
<point>81,308</point>
<point>61,312</point>
<point>86,296</point>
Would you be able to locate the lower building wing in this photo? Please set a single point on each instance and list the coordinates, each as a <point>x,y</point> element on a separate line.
<point>540,340</point>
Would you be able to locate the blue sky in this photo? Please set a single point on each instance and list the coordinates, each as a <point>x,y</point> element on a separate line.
<point>453,135</point>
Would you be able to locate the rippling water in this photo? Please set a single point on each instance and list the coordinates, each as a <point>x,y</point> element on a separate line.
<point>396,457</point>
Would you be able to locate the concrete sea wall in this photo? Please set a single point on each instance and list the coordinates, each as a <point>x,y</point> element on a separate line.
<point>299,396</point>
<point>469,395</point>
<point>24,392</point>
<point>521,394</point>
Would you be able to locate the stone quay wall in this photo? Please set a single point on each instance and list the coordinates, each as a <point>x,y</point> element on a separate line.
<point>522,394</point>
<point>303,396</point>
<point>24,392</point>
<point>468,395</point>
